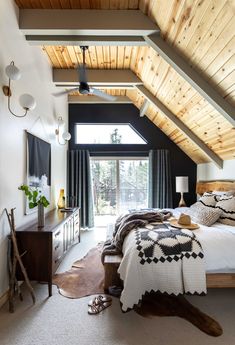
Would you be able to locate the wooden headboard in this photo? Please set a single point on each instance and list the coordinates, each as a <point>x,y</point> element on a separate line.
<point>209,186</point>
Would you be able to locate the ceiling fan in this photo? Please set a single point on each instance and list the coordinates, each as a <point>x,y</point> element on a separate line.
<point>83,87</point>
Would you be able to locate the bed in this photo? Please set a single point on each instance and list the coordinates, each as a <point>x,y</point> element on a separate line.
<point>218,242</point>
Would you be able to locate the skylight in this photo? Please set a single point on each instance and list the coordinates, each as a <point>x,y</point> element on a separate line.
<point>107,134</point>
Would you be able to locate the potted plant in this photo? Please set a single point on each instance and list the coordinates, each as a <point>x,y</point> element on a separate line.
<point>36,199</point>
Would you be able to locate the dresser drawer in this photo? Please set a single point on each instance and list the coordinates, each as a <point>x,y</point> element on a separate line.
<point>57,247</point>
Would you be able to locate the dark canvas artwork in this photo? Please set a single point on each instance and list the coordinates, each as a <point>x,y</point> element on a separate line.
<point>38,166</point>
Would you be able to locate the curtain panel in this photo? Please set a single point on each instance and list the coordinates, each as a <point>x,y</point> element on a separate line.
<point>160,181</point>
<point>79,185</point>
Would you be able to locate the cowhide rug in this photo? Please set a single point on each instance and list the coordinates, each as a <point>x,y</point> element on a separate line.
<point>86,278</point>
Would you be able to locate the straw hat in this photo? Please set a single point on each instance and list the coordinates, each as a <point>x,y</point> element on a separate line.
<point>184,222</point>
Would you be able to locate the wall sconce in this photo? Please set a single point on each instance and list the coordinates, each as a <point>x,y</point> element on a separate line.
<point>181,187</point>
<point>66,135</point>
<point>26,101</point>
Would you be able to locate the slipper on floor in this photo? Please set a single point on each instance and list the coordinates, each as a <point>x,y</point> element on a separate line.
<point>97,308</point>
<point>99,299</point>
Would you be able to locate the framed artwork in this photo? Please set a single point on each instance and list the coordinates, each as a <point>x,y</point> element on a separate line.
<point>38,167</point>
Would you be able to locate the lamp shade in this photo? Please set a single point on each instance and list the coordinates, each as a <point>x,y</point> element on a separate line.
<point>13,72</point>
<point>27,102</point>
<point>181,183</point>
<point>66,136</point>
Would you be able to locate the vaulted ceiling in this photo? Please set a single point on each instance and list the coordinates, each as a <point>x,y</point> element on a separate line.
<point>202,32</point>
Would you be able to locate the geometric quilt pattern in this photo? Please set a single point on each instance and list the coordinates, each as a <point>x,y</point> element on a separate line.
<point>160,243</point>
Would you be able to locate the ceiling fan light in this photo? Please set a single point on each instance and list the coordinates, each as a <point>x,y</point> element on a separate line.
<point>66,136</point>
<point>27,101</point>
<point>13,72</point>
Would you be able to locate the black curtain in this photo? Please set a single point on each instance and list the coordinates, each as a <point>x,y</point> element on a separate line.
<point>79,186</point>
<point>160,182</point>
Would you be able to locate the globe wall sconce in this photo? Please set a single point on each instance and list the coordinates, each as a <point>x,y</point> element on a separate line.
<point>26,101</point>
<point>65,135</point>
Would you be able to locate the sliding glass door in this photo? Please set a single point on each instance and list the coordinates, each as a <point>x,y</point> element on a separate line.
<point>119,184</point>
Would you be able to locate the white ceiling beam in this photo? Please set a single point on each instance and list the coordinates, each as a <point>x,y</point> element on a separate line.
<point>96,77</point>
<point>181,126</point>
<point>144,108</point>
<point>95,99</point>
<point>85,22</point>
<point>192,76</point>
<point>66,40</point>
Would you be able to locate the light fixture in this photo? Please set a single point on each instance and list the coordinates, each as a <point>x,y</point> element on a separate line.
<point>26,101</point>
<point>65,135</point>
<point>181,187</point>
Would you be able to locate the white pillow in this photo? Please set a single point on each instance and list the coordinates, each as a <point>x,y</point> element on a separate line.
<point>227,205</point>
<point>209,199</point>
<point>203,214</point>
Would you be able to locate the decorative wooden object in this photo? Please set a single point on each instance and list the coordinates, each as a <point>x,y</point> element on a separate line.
<point>16,258</point>
<point>209,186</point>
<point>46,247</point>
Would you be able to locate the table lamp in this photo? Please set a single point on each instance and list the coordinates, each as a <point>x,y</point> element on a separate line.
<point>181,183</point>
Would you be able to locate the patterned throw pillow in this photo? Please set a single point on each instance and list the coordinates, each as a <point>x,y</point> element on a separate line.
<point>209,199</point>
<point>203,214</point>
<point>227,206</point>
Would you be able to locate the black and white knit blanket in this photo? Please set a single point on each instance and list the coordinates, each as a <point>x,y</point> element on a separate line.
<point>126,223</point>
<point>159,258</point>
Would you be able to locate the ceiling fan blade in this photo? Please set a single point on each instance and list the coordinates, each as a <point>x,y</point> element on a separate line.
<point>102,94</point>
<point>61,93</point>
<point>82,73</point>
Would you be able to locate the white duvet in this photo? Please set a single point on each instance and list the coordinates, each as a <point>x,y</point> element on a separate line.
<point>218,243</point>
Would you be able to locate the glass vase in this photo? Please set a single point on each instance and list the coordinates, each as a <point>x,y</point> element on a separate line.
<point>61,200</point>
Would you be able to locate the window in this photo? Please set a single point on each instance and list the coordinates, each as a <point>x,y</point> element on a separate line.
<point>119,184</point>
<point>107,134</point>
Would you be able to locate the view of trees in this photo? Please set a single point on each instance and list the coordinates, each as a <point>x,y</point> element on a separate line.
<point>112,196</point>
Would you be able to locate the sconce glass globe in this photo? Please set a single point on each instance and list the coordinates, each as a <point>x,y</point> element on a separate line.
<point>66,136</point>
<point>13,72</point>
<point>27,102</point>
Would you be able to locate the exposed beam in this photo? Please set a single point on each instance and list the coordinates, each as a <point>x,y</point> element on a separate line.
<point>180,125</point>
<point>95,99</point>
<point>144,108</point>
<point>101,77</point>
<point>76,40</point>
<point>85,22</point>
<point>192,76</point>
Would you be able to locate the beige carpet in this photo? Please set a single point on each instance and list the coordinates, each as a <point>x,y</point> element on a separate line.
<point>86,277</point>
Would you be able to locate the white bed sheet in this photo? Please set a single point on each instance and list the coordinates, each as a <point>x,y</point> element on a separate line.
<point>218,243</point>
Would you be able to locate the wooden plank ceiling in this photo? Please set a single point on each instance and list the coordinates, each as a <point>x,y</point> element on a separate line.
<point>202,31</point>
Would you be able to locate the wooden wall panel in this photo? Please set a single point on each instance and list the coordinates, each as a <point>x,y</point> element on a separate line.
<point>101,57</point>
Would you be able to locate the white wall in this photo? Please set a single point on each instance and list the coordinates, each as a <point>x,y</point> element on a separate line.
<point>209,171</point>
<point>37,80</point>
